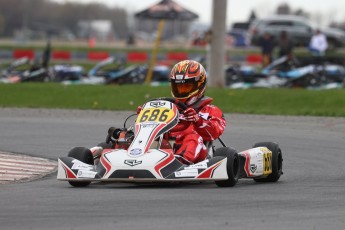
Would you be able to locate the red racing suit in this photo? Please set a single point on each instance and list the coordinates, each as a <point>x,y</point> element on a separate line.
<point>190,137</point>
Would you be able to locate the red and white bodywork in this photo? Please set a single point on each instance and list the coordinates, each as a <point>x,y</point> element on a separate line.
<point>150,158</point>
<point>147,159</point>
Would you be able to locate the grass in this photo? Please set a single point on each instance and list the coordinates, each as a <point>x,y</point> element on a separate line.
<point>283,102</point>
<point>128,97</point>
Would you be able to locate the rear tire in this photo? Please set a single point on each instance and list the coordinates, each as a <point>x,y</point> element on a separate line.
<point>277,162</point>
<point>233,166</point>
<point>85,156</point>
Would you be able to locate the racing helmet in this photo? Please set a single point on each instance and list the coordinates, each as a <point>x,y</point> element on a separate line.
<point>188,81</point>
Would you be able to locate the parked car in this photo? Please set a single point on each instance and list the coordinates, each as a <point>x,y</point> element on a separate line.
<point>298,29</point>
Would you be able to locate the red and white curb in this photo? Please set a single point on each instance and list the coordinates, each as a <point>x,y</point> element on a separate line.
<point>22,168</point>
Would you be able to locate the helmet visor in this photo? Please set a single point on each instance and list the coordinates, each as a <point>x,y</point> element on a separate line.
<point>183,89</point>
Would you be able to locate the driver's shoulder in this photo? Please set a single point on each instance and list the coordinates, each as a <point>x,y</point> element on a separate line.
<point>202,103</point>
<point>211,109</point>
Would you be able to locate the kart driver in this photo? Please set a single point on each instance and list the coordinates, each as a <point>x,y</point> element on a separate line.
<point>201,121</point>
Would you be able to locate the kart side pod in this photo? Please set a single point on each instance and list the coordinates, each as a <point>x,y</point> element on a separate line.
<point>255,162</point>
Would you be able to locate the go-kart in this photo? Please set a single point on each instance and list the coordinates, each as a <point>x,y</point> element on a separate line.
<point>147,155</point>
<point>287,72</point>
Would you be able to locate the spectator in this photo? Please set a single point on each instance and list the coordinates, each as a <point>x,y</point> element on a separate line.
<point>130,39</point>
<point>46,55</point>
<point>267,45</point>
<point>318,44</point>
<point>285,45</point>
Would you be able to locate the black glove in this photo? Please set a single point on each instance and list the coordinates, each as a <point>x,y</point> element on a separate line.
<point>113,133</point>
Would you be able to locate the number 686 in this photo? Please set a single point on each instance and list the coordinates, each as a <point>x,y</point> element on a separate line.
<point>158,115</point>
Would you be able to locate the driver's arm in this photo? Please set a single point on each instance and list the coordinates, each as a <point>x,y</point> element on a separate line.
<point>211,124</point>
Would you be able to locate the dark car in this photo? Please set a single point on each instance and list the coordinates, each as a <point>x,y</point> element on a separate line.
<point>298,29</point>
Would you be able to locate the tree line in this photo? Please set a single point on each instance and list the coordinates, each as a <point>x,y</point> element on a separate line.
<point>53,17</point>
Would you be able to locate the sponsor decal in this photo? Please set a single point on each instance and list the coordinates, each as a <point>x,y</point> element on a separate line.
<point>81,165</point>
<point>86,174</point>
<point>187,173</point>
<point>149,125</point>
<point>253,168</point>
<point>135,152</point>
<point>179,76</point>
<point>201,165</point>
<point>157,104</point>
<point>204,115</point>
<point>132,162</point>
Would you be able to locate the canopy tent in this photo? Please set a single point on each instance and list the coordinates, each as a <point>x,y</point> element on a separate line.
<point>168,10</point>
<point>163,10</point>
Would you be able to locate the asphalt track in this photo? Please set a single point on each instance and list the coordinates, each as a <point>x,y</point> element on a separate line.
<point>310,194</point>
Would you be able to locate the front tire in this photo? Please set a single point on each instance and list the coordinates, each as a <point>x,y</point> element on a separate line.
<point>277,162</point>
<point>233,166</point>
<point>85,156</point>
